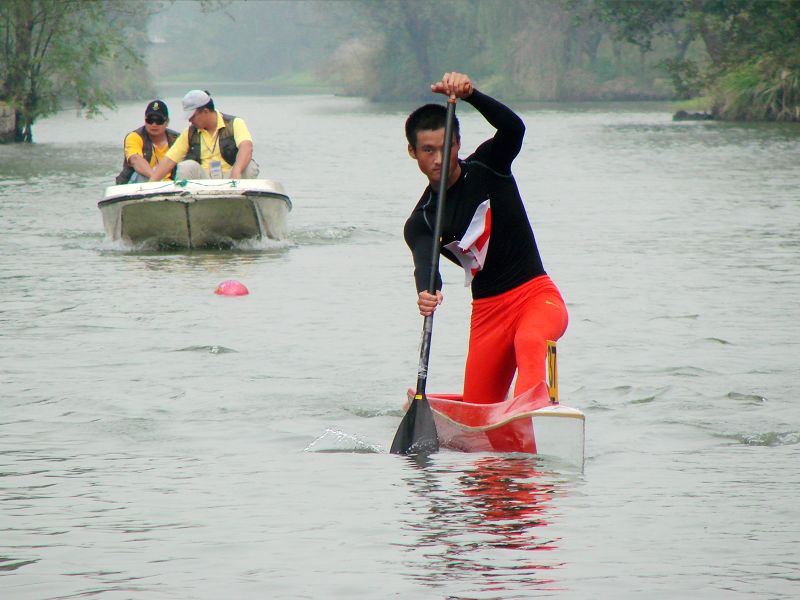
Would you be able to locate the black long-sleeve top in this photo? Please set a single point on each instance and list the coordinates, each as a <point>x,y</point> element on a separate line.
<point>513,257</point>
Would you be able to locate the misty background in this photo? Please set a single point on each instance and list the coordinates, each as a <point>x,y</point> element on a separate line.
<point>730,59</point>
<point>392,50</point>
<point>266,45</point>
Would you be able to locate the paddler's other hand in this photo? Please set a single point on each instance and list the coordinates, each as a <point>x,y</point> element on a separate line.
<point>427,303</point>
<point>453,84</point>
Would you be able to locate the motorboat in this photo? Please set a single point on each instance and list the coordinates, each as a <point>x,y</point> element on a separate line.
<point>196,213</point>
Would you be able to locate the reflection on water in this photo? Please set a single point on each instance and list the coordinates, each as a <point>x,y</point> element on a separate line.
<point>486,525</point>
<point>184,261</point>
<point>265,246</point>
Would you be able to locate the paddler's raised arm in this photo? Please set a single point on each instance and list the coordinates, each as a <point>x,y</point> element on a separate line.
<point>499,152</point>
<point>502,149</point>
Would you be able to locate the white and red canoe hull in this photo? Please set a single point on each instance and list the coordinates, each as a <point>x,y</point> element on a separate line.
<point>528,423</point>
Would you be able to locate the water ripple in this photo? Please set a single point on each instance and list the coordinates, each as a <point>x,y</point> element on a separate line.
<point>12,564</point>
<point>327,235</point>
<point>213,349</point>
<point>769,438</point>
<point>333,441</point>
<point>746,398</point>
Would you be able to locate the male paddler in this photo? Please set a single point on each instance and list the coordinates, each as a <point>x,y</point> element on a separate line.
<point>146,146</point>
<point>215,145</point>
<point>516,307</point>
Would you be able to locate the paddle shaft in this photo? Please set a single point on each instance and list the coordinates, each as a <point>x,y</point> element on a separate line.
<point>427,327</point>
<point>417,431</point>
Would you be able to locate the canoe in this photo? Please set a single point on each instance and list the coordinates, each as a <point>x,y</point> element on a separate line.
<point>201,213</point>
<point>531,423</point>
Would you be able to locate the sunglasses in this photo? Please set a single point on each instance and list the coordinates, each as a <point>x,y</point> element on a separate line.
<point>155,121</point>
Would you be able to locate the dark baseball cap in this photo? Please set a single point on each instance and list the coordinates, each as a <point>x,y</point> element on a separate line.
<point>157,107</point>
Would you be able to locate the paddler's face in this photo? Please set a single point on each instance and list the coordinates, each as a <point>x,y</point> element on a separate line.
<point>428,154</point>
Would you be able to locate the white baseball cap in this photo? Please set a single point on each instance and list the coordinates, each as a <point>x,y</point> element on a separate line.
<point>194,100</point>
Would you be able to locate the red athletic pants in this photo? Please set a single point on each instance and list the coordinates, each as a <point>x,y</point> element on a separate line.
<point>509,333</point>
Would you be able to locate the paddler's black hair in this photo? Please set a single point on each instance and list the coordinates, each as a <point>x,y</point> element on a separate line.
<point>428,117</point>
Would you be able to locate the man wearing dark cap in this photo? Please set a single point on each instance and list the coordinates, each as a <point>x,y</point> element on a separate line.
<point>214,146</point>
<point>146,146</point>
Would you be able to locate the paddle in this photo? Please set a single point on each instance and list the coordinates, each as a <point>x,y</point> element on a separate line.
<point>417,431</point>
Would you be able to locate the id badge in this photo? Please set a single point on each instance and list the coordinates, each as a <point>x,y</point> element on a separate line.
<point>216,170</point>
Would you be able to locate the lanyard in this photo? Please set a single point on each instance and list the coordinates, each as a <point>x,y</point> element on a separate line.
<point>155,147</point>
<point>214,147</point>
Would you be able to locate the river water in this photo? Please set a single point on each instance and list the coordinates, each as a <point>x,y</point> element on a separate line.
<point>159,441</point>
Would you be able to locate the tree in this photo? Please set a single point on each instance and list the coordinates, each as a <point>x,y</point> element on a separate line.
<point>409,44</point>
<point>53,48</point>
<point>753,48</point>
<point>531,49</point>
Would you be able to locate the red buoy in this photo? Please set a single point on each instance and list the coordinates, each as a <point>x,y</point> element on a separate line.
<point>231,287</point>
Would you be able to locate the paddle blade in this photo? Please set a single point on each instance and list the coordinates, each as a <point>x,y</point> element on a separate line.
<point>417,431</point>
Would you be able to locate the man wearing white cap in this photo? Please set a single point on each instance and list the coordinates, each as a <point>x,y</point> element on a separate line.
<point>215,145</point>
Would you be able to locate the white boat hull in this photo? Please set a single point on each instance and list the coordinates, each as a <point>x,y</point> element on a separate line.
<point>203,213</point>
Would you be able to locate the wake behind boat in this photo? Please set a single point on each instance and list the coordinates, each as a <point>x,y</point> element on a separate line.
<point>198,213</point>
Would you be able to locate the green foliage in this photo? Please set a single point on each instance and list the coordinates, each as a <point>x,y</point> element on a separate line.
<point>752,46</point>
<point>766,89</point>
<point>686,77</point>
<point>639,21</point>
<point>50,49</point>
